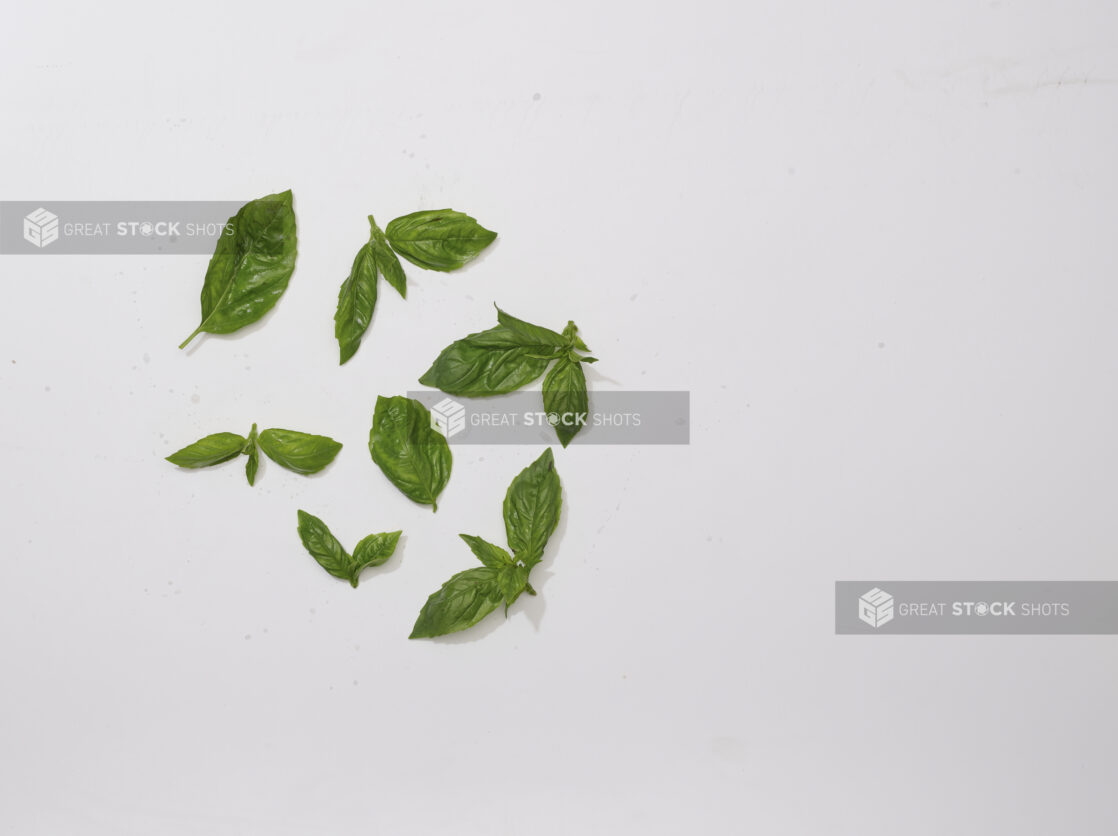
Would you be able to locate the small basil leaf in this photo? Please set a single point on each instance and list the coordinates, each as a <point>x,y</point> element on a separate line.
<point>387,262</point>
<point>512,580</point>
<point>324,546</point>
<point>438,239</point>
<point>357,298</point>
<point>213,449</point>
<point>492,556</point>
<point>529,334</point>
<point>250,267</point>
<point>484,364</point>
<point>414,456</point>
<point>301,452</point>
<point>570,334</point>
<point>532,507</point>
<point>253,456</point>
<point>372,551</point>
<point>461,602</point>
<point>565,398</point>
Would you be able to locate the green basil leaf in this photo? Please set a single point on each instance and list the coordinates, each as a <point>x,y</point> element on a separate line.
<point>253,456</point>
<point>570,334</point>
<point>213,449</point>
<point>372,551</point>
<point>250,267</point>
<point>414,456</point>
<point>301,452</point>
<point>492,556</point>
<point>565,400</point>
<point>532,507</point>
<point>356,299</point>
<point>438,239</point>
<point>529,334</point>
<point>512,580</point>
<point>324,546</point>
<point>461,602</point>
<point>387,262</point>
<point>484,364</point>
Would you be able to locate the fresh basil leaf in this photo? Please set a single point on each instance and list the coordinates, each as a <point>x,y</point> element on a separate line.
<point>211,450</point>
<point>301,452</point>
<point>512,580</point>
<point>570,334</point>
<point>414,456</point>
<point>484,364</point>
<point>324,547</point>
<point>439,239</point>
<point>492,556</point>
<point>250,267</point>
<point>565,400</point>
<point>356,299</point>
<point>530,334</point>
<point>253,456</point>
<point>532,507</point>
<point>461,602</point>
<point>387,263</point>
<point>372,551</point>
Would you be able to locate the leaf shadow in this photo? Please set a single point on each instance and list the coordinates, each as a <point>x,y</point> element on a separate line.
<point>595,376</point>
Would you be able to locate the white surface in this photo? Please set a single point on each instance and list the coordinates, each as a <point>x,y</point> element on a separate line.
<point>876,243</point>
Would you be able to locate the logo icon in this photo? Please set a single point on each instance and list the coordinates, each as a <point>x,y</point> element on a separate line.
<point>40,227</point>
<point>876,607</point>
<point>448,417</point>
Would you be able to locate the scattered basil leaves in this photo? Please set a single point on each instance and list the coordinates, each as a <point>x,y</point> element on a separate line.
<point>250,267</point>
<point>531,510</point>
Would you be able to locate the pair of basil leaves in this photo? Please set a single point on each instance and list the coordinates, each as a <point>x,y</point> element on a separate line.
<point>512,355</point>
<point>331,556</point>
<point>439,239</point>
<point>301,452</point>
<point>531,511</point>
<point>255,257</point>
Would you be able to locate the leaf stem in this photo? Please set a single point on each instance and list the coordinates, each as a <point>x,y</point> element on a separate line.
<point>185,342</point>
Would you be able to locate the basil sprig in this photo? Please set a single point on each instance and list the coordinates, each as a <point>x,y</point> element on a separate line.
<point>531,511</point>
<point>512,355</point>
<point>300,452</point>
<point>325,548</point>
<point>250,267</point>
<point>414,456</point>
<point>440,239</point>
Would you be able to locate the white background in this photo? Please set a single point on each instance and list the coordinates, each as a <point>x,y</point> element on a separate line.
<point>874,240</point>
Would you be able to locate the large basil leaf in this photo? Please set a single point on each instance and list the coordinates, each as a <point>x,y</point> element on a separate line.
<point>492,556</point>
<point>301,452</point>
<point>438,239</point>
<point>253,462</point>
<point>565,398</point>
<point>324,546</point>
<point>532,507</point>
<point>356,299</point>
<point>250,267</point>
<point>479,366</point>
<point>211,450</point>
<point>461,602</point>
<point>414,456</point>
